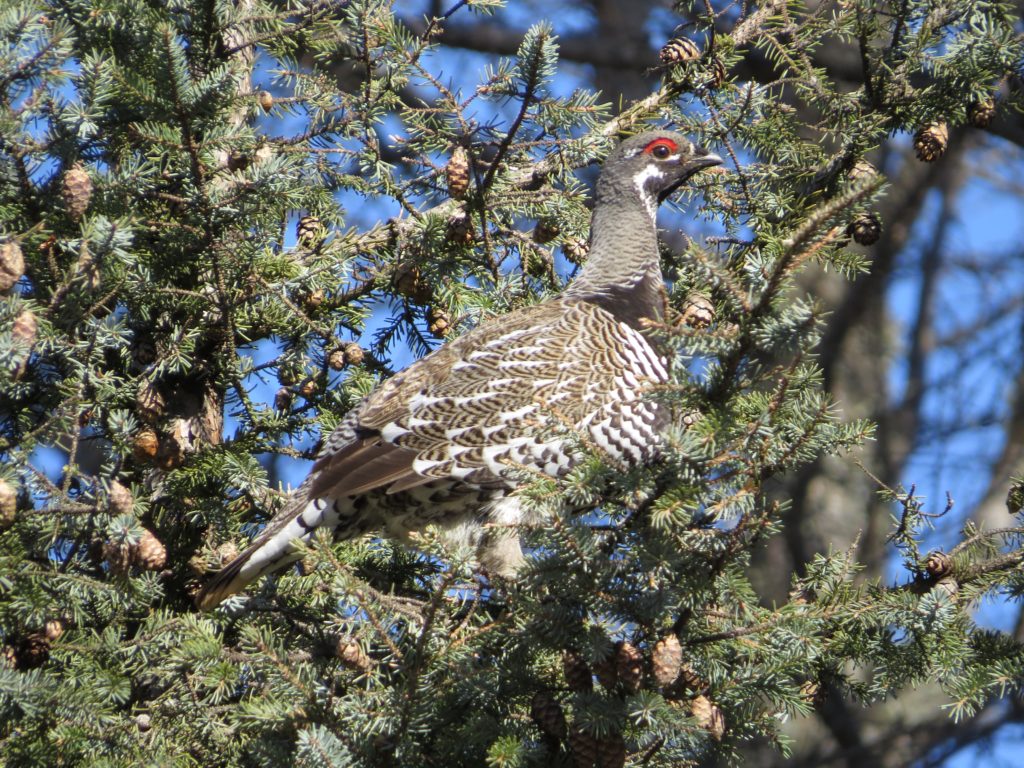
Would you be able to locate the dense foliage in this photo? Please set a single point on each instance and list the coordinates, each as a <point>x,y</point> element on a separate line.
<point>164,336</point>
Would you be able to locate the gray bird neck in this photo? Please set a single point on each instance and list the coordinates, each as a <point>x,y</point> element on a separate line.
<point>623,270</point>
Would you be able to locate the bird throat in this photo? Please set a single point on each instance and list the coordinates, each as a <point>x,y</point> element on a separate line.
<point>623,270</point>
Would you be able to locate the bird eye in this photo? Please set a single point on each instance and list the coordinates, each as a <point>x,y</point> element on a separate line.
<point>661,152</point>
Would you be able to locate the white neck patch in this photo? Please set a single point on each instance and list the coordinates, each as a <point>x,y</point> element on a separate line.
<point>649,173</point>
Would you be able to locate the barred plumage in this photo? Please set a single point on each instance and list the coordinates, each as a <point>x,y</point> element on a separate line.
<point>448,439</point>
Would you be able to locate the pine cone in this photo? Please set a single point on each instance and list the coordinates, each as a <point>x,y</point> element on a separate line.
<point>226,552</point>
<point>25,328</point>
<point>938,564</point>
<point>8,658</point>
<point>548,715</point>
<point>545,230</point>
<point>150,404</point>
<point>149,553</point>
<point>439,322</point>
<point>536,262</point>
<point>120,499</point>
<point>352,654</point>
<point>308,388</point>
<point>862,170</point>
<point>865,229</point>
<point>170,453</point>
<point>698,311</point>
<point>584,748</point>
<point>12,264</point>
<point>8,505</point>
<point>460,230</point>
<point>143,722</point>
<point>982,113</point>
<point>679,50</point>
<point>409,282</point>
<point>1015,498</point>
<point>76,189</point>
<point>629,666</point>
<point>238,161</point>
<point>611,751</point>
<point>606,671</point>
<point>577,673</point>
<point>575,250</point>
<point>309,231</point>
<point>691,417</point>
<point>931,141</point>
<point>708,716</point>
<point>118,556</point>
<point>53,629</point>
<point>354,354</point>
<point>33,651</point>
<point>266,100</point>
<point>666,660</point>
<point>313,299</point>
<point>457,173</point>
<point>283,399</point>
<point>719,74</point>
<point>145,446</point>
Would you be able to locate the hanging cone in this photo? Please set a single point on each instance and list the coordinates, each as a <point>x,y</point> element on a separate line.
<point>930,142</point>
<point>679,50</point>
<point>457,173</point>
<point>76,189</point>
<point>12,264</point>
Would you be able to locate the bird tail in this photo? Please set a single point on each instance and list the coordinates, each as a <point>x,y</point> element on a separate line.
<point>272,550</point>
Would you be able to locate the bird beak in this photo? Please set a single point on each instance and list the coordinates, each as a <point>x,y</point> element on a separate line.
<point>704,159</point>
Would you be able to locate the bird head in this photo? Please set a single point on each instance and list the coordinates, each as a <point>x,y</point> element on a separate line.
<point>657,163</point>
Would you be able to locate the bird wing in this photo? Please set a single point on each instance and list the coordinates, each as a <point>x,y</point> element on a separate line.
<point>476,411</point>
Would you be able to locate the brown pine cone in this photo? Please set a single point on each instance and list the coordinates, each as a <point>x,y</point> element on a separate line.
<point>577,674</point>
<point>575,250</point>
<point>584,748</point>
<point>25,328</point>
<point>548,715</point>
<point>708,716</point>
<point>865,229</point>
<point>862,170</point>
<point>606,671</point>
<point>309,231</point>
<point>266,100</point>
<point>545,230</point>
<point>629,666</point>
<point>439,322</point>
<point>679,50</point>
<point>33,651</point>
<point>460,230</point>
<point>145,446</point>
<point>149,553</point>
<point>8,505</point>
<point>283,399</point>
<point>457,173</point>
<point>409,282</point>
<point>120,499</point>
<point>930,141</point>
<point>982,113</point>
<point>53,629</point>
<point>346,355</point>
<point>611,751</point>
<point>76,189</point>
<point>118,556</point>
<point>698,311</point>
<point>150,404</point>
<point>666,660</point>
<point>12,264</point>
<point>938,564</point>
<point>352,654</point>
<point>718,73</point>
